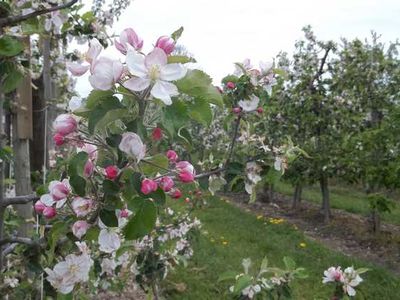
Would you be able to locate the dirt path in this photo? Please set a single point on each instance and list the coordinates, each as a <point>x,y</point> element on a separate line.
<point>347,233</point>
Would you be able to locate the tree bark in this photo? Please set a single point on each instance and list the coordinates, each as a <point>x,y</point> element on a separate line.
<point>2,208</point>
<point>326,207</point>
<point>297,196</point>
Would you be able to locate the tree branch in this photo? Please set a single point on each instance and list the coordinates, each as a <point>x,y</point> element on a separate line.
<point>234,137</point>
<point>19,200</point>
<point>321,69</point>
<point>12,20</point>
<point>18,240</point>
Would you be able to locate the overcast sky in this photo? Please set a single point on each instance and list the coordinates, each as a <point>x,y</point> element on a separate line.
<point>220,32</point>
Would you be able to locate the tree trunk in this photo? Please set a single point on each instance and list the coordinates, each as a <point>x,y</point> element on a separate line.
<point>326,208</point>
<point>271,193</point>
<point>297,196</point>
<point>376,221</point>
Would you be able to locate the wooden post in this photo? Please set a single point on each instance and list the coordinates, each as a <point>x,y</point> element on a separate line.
<point>2,139</point>
<point>21,134</point>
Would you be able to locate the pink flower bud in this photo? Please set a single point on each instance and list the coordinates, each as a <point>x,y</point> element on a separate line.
<point>260,110</point>
<point>237,110</point>
<point>148,186</point>
<point>220,90</point>
<point>49,212</point>
<point>90,149</point>
<point>230,85</point>
<point>111,172</point>
<point>172,156</point>
<point>176,194</point>
<point>82,206</point>
<point>58,139</point>
<point>39,207</point>
<point>124,213</point>
<point>79,228</point>
<point>59,190</point>
<point>185,166</point>
<point>157,134</point>
<point>65,124</point>
<point>128,37</point>
<point>186,176</point>
<point>88,169</point>
<point>166,43</point>
<point>187,200</point>
<point>166,183</point>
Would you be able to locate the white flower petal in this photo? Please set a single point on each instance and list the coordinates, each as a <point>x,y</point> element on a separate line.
<point>156,57</point>
<point>172,72</point>
<point>100,82</point>
<point>137,84</point>
<point>135,63</point>
<point>163,90</point>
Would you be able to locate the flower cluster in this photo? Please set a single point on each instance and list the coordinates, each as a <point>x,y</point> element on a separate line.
<point>345,280</point>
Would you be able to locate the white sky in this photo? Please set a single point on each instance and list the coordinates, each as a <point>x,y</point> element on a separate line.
<point>220,32</point>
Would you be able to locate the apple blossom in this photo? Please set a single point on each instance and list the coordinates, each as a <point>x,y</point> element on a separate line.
<point>185,166</point>
<point>128,37</point>
<point>74,103</point>
<point>172,156</point>
<point>153,70</point>
<point>59,190</point>
<point>39,207</point>
<point>88,168</point>
<point>166,43</point>
<point>237,110</point>
<point>90,149</point>
<point>124,213</point>
<point>81,206</point>
<point>109,240</point>
<point>49,212</point>
<point>47,199</point>
<point>333,274</point>
<point>108,266</point>
<point>111,172</point>
<point>186,176</point>
<point>230,85</point>
<point>91,55</point>
<point>249,105</point>
<point>65,124</point>
<point>148,186</point>
<point>157,134</point>
<point>79,228</point>
<point>166,183</point>
<point>105,73</point>
<point>132,145</point>
<point>260,110</point>
<point>77,69</point>
<point>176,193</point>
<point>58,139</point>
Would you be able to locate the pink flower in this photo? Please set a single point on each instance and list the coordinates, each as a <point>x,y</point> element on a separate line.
<point>186,176</point>
<point>157,134</point>
<point>128,37</point>
<point>77,69</point>
<point>105,73</point>
<point>132,145</point>
<point>260,110</point>
<point>176,194</point>
<point>90,149</point>
<point>230,85</point>
<point>79,228</point>
<point>172,156</point>
<point>39,207</point>
<point>65,124</point>
<point>91,55</point>
<point>237,110</point>
<point>49,212</point>
<point>82,206</point>
<point>59,190</point>
<point>185,166</point>
<point>89,168</point>
<point>166,183</point>
<point>166,43</point>
<point>124,213</point>
<point>58,139</point>
<point>148,186</point>
<point>111,172</point>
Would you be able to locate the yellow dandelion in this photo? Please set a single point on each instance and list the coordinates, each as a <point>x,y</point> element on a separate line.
<point>259,217</point>
<point>224,243</point>
<point>303,245</point>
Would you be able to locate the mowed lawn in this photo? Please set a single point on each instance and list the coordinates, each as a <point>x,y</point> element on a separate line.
<point>344,198</point>
<point>230,234</point>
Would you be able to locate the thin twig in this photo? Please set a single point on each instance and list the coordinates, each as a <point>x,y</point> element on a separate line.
<point>19,200</point>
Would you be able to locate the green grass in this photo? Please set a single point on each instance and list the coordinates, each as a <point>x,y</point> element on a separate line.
<point>348,199</point>
<point>249,237</point>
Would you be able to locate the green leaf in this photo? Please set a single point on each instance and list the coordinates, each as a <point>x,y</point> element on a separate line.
<point>243,282</point>
<point>97,96</point>
<point>109,218</point>
<point>110,187</point>
<point>264,264</point>
<point>174,116</point>
<point>200,111</point>
<point>142,222</point>
<point>180,59</point>
<point>78,185</point>
<point>228,275</point>
<point>77,163</point>
<point>185,137</point>
<point>289,263</point>
<point>10,76</point>
<point>362,270</point>
<point>92,234</point>
<point>158,196</point>
<point>10,46</point>
<point>58,230</point>
<point>155,164</point>
<point>177,34</point>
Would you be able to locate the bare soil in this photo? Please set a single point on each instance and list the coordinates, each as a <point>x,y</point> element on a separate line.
<point>347,233</point>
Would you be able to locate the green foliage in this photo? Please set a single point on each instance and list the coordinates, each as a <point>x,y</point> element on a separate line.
<point>10,46</point>
<point>143,220</point>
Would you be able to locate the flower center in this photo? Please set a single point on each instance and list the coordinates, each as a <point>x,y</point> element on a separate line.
<point>154,72</point>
